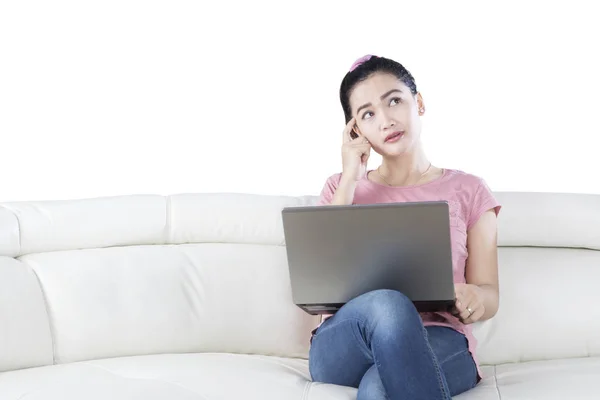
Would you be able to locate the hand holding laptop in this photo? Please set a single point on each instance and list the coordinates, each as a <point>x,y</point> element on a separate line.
<point>469,302</point>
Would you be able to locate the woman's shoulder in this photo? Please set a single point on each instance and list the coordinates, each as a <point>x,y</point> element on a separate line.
<point>473,192</point>
<point>334,178</point>
<point>332,181</point>
<point>329,188</point>
<point>465,180</point>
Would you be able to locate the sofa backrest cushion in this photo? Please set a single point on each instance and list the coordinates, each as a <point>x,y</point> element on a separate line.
<point>149,274</point>
<point>25,339</point>
<point>549,267</point>
<point>133,275</point>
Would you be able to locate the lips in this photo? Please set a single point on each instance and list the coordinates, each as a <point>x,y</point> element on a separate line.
<point>392,137</point>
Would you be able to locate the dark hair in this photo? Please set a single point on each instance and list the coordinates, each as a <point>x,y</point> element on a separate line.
<point>365,70</point>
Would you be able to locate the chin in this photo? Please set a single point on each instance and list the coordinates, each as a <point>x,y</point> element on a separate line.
<point>394,150</point>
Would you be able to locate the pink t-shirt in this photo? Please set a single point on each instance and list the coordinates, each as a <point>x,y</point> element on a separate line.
<point>468,198</point>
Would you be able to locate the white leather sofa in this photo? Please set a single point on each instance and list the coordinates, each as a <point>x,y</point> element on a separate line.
<point>187,297</point>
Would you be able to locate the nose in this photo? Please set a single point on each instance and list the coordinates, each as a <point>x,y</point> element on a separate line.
<point>387,121</point>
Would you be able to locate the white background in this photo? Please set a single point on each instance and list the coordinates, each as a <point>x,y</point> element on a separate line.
<point>119,97</point>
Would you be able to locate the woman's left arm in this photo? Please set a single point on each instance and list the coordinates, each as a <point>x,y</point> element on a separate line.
<point>478,299</point>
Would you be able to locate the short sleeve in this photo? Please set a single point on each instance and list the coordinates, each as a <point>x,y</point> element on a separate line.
<point>329,189</point>
<point>483,201</point>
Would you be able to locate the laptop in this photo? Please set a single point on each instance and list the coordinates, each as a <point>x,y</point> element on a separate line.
<point>336,253</point>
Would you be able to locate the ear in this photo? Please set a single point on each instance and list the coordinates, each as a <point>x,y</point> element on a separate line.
<point>420,104</point>
<point>354,132</point>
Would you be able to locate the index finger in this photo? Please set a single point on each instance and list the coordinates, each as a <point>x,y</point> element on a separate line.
<point>460,303</point>
<point>348,129</point>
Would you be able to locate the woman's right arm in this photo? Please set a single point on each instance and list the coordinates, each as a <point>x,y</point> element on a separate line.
<point>344,194</point>
<point>355,153</point>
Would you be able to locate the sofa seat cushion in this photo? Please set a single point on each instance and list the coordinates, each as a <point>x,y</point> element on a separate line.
<point>233,376</point>
<point>171,376</point>
<point>571,379</point>
<point>485,390</point>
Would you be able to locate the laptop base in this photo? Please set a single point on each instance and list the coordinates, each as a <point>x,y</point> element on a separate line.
<point>421,306</point>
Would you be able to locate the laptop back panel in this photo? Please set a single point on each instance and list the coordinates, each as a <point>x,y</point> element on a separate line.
<point>336,253</point>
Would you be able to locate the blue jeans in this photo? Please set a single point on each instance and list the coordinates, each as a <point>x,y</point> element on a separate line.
<point>378,344</point>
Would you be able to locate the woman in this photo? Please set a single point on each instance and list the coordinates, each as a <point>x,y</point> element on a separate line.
<point>378,342</point>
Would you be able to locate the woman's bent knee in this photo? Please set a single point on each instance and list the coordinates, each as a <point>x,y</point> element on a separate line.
<point>386,311</point>
<point>385,303</point>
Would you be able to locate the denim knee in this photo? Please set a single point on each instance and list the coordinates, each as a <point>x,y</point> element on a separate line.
<point>388,307</point>
<point>371,387</point>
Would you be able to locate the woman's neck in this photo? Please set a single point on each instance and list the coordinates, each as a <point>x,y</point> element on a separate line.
<point>406,169</point>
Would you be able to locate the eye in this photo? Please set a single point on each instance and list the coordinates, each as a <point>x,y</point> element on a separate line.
<point>395,100</point>
<point>366,115</point>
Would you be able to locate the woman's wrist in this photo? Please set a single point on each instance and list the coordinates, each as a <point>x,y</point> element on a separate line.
<point>347,182</point>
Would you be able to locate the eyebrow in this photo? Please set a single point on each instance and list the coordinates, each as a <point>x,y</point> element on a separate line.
<point>383,96</point>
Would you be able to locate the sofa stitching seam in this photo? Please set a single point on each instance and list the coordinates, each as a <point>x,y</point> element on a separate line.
<point>496,383</point>
<point>46,306</point>
<point>20,232</point>
<point>10,210</point>
<point>108,370</point>
<point>167,239</point>
<point>306,391</point>
<point>272,360</point>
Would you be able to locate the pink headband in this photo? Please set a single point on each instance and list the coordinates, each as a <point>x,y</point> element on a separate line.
<point>360,61</point>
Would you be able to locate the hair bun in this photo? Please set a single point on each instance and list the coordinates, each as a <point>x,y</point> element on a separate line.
<point>360,61</point>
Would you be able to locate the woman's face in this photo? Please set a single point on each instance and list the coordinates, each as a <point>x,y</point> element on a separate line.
<point>387,113</point>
